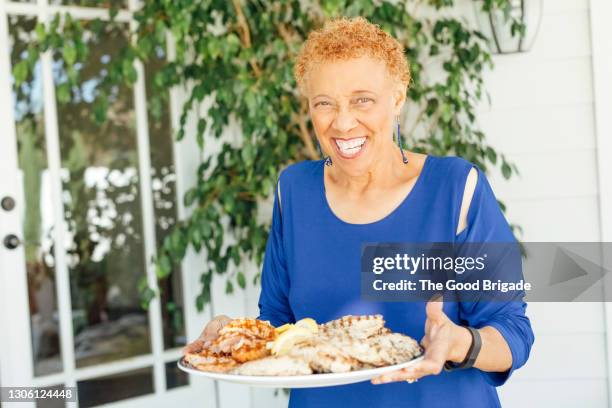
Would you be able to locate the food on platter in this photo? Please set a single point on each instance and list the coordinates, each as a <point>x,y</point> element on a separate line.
<point>239,341</point>
<point>274,365</point>
<point>253,347</point>
<point>207,361</point>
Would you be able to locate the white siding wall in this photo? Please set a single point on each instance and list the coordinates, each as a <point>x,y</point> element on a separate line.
<point>542,116</point>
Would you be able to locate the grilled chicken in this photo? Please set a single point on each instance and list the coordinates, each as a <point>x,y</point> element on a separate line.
<point>357,327</point>
<point>206,361</point>
<point>325,357</point>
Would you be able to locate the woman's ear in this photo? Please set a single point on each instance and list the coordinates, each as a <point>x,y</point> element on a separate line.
<point>399,98</point>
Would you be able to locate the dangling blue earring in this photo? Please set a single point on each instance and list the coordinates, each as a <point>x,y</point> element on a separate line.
<point>399,141</point>
<point>328,160</point>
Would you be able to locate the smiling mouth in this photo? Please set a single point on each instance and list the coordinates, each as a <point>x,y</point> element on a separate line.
<point>350,148</point>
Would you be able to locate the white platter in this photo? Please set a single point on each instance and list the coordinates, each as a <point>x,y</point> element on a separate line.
<point>300,381</point>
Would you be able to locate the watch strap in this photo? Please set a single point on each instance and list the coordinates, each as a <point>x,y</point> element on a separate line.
<point>472,354</point>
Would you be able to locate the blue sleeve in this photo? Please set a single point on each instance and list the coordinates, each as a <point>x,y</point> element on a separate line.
<point>273,300</point>
<point>486,224</point>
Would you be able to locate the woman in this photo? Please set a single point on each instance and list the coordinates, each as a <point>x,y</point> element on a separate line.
<point>355,77</point>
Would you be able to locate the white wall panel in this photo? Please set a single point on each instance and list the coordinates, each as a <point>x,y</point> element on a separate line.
<point>555,40</point>
<point>553,7</point>
<point>520,81</point>
<point>542,117</point>
<point>565,356</point>
<point>573,393</point>
<point>547,175</point>
<point>561,318</point>
<point>547,129</point>
<point>573,219</point>
<point>601,32</point>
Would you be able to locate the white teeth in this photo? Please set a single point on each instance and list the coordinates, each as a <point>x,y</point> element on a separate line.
<point>350,147</point>
<point>351,143</point>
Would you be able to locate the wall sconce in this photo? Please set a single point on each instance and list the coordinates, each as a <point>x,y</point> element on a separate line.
<point>497,27</point>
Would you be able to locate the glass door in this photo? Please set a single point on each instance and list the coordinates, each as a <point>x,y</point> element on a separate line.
<point>84,207</point>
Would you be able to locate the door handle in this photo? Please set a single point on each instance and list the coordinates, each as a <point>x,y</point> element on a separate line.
<point>11,241</point>
<point>7,203</point>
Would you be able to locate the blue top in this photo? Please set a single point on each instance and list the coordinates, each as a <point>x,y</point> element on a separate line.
<point>312,269</point>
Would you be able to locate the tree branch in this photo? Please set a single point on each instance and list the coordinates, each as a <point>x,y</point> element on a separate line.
<point>246,35</point>
<point>311,152</point>
<point>285,35</point>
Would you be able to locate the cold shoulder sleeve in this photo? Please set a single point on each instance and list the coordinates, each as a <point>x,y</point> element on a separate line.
<point>273,300</point>
<point>486,224</point>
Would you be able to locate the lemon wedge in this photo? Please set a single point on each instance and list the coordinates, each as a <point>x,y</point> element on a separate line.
<point>283,328</point>
<point>309,324</point>
<point>290,338</point>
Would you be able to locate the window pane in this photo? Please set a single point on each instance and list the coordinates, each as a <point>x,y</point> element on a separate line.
<point>104,390</point>
<point>38,222</point>
<point>175,377</point>
<point>164,199</point>
<point>103,212</point>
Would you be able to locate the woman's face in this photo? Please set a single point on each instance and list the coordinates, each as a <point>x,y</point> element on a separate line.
<point>352,105</point>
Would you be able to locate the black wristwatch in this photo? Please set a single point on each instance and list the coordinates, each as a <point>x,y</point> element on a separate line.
<point>471,355</point>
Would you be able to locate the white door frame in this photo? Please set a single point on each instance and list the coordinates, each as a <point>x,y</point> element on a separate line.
<point>13,285</point>
<point>16,365</point>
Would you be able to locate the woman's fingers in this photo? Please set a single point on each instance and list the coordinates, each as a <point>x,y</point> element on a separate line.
<point>435,342</point>
<point>434,310</point>
<point>399,375</point>
<point>209,334</point>
<point>426,367</point>
<point>436,352</point>
<point>421,369</point>
<point>216,324</point>
<point>425,342</point>
<point>432,364</point>
<point>193,347</point>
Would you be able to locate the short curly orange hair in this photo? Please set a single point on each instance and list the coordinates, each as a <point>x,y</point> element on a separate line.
<point>345,38</point>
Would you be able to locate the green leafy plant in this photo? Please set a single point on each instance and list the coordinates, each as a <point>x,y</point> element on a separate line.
<point>238,56</point>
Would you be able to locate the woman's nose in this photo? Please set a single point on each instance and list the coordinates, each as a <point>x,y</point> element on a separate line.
<point>344,122</point>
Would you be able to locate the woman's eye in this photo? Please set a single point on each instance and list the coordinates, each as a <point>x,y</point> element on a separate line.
<point>322,103</point>
<point>364,100</point>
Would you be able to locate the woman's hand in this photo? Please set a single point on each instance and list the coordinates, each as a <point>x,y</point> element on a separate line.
<point>443,341</point>
<point>210,333</point>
